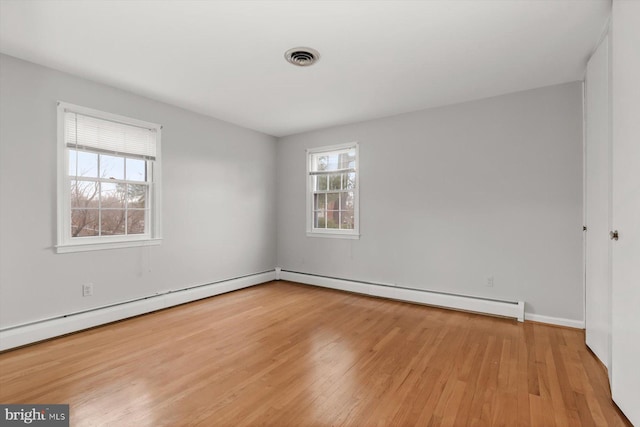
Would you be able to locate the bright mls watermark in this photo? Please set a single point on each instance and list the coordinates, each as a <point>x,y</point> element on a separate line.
<point>36,415</point>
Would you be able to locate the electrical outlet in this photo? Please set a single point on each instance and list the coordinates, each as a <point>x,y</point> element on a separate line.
<point>490,281</point>
<point>87,290</point>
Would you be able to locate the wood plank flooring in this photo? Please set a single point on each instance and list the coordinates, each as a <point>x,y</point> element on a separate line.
<point>283,354</point>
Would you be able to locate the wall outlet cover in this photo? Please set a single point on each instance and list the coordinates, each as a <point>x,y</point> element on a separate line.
<point>87,290</point>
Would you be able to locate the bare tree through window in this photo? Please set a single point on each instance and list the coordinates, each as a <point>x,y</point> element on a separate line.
<point>108,195</point>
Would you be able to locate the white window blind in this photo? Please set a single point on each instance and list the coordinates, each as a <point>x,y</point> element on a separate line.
<point>90,133</point>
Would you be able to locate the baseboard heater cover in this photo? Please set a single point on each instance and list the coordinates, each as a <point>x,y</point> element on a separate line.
<point>513,309</point>
<point>20,335</point>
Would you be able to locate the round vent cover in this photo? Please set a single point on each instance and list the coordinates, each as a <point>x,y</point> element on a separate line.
<point>302,56</point>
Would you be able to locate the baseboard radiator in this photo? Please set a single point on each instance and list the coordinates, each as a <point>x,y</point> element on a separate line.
<point>19,335</point>
<point>513,309</point>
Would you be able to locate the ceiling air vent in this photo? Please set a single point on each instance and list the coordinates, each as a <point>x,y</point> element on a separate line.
<point>302,56</point>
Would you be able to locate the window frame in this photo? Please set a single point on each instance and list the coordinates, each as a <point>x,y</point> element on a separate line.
<point>65,242</point>
<point>333,232</point>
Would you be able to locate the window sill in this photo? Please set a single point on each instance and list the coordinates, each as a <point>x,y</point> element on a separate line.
<point>333,235</point>
<point>97,246</point>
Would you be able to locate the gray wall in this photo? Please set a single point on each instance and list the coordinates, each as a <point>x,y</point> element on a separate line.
<point>218,192</point>
<point>452,195</point>
<point>449,196</point>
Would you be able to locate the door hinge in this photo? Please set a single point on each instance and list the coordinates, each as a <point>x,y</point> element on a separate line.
<point>584,228</point>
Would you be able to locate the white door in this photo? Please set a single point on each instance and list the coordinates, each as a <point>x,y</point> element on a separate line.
<point>598,205</point>
<point>625,349</point>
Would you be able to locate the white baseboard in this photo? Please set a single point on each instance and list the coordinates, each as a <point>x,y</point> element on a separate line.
<point>26,334</point>
<point>513,309</point>
<point>559,321</point>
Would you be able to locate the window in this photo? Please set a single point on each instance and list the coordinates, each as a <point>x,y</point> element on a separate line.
<point>108,180</point>
<point>332,195</point>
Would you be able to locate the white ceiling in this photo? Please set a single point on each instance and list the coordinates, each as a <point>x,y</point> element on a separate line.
<point>378,58</point>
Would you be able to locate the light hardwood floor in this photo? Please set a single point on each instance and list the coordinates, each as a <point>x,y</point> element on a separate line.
<point>284,354</point>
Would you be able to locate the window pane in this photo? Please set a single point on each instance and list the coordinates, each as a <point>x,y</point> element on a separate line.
<point>73,156</point>
<point>320,162</point>
<point>351,181</point>
<point>319,201</point>
<point>112,195</point>
<point>333,219</point>
<point>344,160</point>
<point>136,170</point>
<point>319,219</point>
<point>334,181</point>
<point>84,194</point>
<point>84,222</point>
<point>87,164</point>
<point>112,221</point>
<point>333,201</point>
<point>346,220</point>
<point>346,200</point>
<point>344,179</point>
<point>111,167</point>
<point>136,221</point>
<point>333,161</point>
<point>321,183</point>
<point>348,159</point>
<point>137,196</point>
